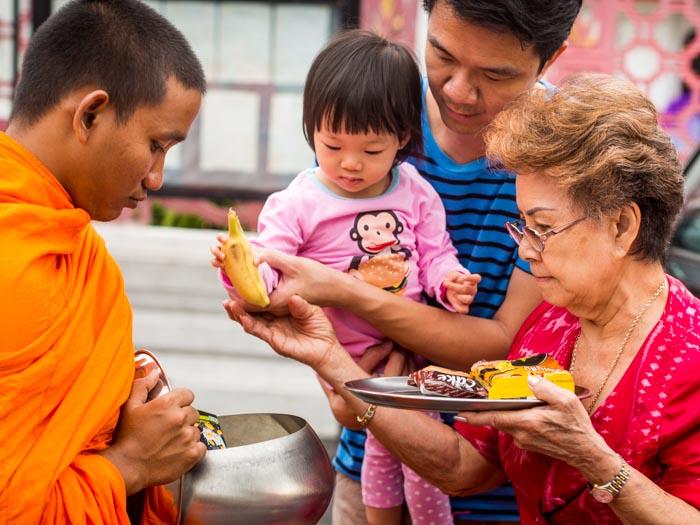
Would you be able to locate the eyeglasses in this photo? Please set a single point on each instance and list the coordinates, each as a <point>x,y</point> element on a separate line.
<point>518,230</point>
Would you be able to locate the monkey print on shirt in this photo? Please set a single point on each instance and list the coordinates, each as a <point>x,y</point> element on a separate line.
<point>383,261</point>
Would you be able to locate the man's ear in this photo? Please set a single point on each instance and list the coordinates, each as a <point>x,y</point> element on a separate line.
<point>627,224</point>
<point>88,112</point>
<point>553,59</point>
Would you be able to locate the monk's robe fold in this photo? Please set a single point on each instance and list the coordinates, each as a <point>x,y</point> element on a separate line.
<point>66,357</point>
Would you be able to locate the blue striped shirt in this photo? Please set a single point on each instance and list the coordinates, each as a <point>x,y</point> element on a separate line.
<point>478,201</point>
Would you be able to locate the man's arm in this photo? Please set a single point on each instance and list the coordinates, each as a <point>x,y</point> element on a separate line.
<point>443,337</point>
<point>450,339</point>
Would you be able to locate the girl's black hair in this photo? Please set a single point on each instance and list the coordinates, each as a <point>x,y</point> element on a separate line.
<point>362,82</point>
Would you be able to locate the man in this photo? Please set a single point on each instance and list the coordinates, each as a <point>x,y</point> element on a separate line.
<point>107,87</point>
<point>480,55</point>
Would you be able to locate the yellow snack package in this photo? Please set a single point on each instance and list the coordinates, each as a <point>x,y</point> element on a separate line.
<point>508,379</point>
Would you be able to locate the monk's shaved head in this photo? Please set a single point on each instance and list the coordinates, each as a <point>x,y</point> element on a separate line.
<point>121,46</point>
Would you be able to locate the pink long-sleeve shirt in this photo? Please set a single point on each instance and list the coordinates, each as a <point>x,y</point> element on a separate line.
<point>397,241</point>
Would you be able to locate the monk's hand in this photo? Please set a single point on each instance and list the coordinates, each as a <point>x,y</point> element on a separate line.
<point>305,335</point>
<point>561,429</point>
<point>313,281</point>
<point>156,441</point>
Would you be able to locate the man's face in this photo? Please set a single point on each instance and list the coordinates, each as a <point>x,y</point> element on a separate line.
<point>474,72</point>
<point>123,161</point>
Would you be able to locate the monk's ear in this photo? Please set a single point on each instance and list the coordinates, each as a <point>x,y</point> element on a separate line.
<point>88,113</point>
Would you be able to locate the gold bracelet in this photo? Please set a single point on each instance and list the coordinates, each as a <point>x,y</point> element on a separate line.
<point>365,418</point>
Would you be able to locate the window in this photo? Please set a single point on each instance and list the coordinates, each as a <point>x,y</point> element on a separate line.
<point>248,139</point>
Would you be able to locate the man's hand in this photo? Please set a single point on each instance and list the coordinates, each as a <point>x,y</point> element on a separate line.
<point>156,441</point>
<point>298,276</point>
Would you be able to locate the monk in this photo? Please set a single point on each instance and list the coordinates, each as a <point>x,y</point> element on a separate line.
<point>107,87</point>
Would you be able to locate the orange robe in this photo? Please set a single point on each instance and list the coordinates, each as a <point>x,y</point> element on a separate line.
<point>66,356</point>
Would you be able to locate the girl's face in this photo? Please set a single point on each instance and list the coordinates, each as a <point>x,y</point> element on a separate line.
<point>356,166</point>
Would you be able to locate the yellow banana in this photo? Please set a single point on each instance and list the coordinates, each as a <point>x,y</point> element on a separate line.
<point>239,266</point>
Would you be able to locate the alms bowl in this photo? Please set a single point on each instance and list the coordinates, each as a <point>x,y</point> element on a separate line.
<point>275,470</point>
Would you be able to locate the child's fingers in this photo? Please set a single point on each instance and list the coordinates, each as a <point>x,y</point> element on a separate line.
<point>460,308</point>
<point>221,237</point>
<point>465,299</point>
<point>217,252</point>
<point>457,304</point>
<point>455,287</point>
<point>473,278</point>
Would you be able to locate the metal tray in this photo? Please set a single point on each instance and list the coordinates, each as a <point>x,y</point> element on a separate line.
<point>396,393</point>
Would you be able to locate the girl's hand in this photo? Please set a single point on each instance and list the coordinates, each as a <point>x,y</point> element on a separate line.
<point>217,252</point>
<point>305,335</point>
<point>460,289</point>
<point>561,429</point>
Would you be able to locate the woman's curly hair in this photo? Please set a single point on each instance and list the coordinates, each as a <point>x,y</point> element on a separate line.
<point>597,137</point>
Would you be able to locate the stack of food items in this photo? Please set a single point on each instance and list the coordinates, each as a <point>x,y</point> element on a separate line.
<point>434,380</point>
<point>501,379</point>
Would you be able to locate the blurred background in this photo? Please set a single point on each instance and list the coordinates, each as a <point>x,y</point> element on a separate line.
<point>247,142</point>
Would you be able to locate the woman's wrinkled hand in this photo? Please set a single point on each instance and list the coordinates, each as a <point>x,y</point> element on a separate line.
<point>561,429</point>
<point>305,335</point>
<point>372,357</point>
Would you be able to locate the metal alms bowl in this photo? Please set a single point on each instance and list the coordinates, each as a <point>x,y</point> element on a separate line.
<point>275,470</point>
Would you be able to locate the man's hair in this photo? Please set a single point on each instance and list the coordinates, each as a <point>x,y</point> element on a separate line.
<point>598,138</point>
<point>361,82</point>
<point>543,24</point>
<point>121,46</point>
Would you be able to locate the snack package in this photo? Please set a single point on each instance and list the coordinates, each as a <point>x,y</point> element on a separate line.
<point>212,435</point>
<point>434,380</point>
<point>508,379</point>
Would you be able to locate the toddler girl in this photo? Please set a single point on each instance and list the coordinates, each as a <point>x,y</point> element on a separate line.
<point>364,212</point>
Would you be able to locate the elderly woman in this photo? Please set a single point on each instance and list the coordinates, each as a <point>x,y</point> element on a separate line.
<point>598,187</point>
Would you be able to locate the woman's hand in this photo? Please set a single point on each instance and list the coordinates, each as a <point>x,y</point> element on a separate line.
<point>368,362</point>
<point>305,335</point>
<point>561,430</point>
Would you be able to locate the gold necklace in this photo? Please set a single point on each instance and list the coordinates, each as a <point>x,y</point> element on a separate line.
<point>635,321</point>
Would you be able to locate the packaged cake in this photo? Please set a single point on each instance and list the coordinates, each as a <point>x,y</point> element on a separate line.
<point>434,380</point>
<point>499,379</point>
<point>508,379</point>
